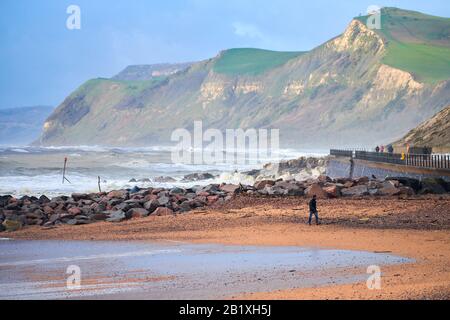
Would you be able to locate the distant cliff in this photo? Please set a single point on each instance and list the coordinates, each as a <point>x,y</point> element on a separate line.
<point>364,87</point>
<point>21,126</point>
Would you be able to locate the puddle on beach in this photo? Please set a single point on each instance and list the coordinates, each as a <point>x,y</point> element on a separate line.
<point>171,270</point>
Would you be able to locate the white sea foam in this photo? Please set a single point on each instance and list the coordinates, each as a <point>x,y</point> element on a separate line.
<point>138,163</point>
<point>20,150</point>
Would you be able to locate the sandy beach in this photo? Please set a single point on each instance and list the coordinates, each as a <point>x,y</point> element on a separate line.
<point>416,228</point>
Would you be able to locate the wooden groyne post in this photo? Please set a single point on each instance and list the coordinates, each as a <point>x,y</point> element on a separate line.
<point>99,188</point>
<point>64,171</point>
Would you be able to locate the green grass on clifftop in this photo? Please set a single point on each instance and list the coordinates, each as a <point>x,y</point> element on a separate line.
<point>427,63</point>
<point>251,61</point>
<point>416,43</point>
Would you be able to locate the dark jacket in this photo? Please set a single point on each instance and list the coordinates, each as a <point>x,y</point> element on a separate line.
<point>313,205</point>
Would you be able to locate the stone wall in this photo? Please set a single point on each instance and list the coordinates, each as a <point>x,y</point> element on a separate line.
<point>341,167</point>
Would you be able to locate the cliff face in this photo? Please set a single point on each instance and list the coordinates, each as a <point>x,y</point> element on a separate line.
<point>342,93</point>
<point>434,132</point>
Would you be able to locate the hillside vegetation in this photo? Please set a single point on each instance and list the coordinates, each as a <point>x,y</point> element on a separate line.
<point>434,132</point>
<point>251,61</point>
<point>417,43</point>
<point>362,88</point>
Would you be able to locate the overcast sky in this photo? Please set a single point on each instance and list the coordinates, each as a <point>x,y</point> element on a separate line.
<point>41,61</point>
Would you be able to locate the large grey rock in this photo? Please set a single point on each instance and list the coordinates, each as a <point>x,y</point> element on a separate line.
<point>408,191</point>
<point>118,194</point>
<point>362,180</point>
<point>197,177</point>
<point>186,206</point>
<point>135,203</point>
<point>75,211</point>
<point>123,206</point>
<point>161,211</point>
<point>291,188</point>
<point>15,216</point>
<point>164,179</point>
<point>134,190</point>
<point>80,196</point>
<point>230,188</point>
<point>177,191</point>
<point>137,213</point>
<point>151,205</point>
<point>37,214</point>
<point>13,206</point>
<point>116,216</point>
<point>359,190</point>
<point>12,225</point>
<point>43,199</point>
<point>275,191</point>
<point>407,182</point>
<point>433,186</point>
<point>389,188</point>
<point>260,185</point>
<point>4,200</point>
<point>98,207</point>
<point>72,222</point>
<point>54,217</point>
<point>190,195</point>
<point>212,188</point>
<point>163,200</point>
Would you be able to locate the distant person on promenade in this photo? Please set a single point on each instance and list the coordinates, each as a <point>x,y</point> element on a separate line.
<point>313,210</point>
<point>382,149</point>
<point>390,149</point>
<point>377,149</point>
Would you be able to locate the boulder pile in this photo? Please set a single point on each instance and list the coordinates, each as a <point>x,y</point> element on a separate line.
<point>120,205</point>
<point>115,206</point>
<point>299,169</point>
<point>325,187</point>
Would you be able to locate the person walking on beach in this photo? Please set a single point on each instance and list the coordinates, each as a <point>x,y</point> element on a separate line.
<point>313,210</point>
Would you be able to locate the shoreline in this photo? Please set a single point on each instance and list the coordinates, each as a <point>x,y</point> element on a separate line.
<point>279,222</point>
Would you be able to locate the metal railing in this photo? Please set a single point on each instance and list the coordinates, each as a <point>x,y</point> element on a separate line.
<point>341,153</point>
<point>433,161</point>
<point>438,161</point>
<point>380,157</point>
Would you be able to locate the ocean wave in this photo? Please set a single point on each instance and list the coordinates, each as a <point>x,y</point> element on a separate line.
<point>20,150</point>
<point>25,179</point>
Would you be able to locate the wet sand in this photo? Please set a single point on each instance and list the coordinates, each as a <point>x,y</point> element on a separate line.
<point>417,228</point>
<point>168,270</point>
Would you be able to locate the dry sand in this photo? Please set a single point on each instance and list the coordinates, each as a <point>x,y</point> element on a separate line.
<point>417,228</point>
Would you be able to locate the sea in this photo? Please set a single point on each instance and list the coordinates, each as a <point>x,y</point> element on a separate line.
<point>35,171</point>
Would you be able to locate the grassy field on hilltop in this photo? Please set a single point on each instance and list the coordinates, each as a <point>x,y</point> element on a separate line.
<point>417,43</point>
<point>251,61</point>
<point>427,63</point>
<point>129,87</point>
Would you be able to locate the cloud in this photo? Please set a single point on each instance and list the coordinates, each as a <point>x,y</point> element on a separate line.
<point>247,30</point>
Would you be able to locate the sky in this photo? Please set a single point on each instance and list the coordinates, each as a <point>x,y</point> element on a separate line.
<point>42,61</point>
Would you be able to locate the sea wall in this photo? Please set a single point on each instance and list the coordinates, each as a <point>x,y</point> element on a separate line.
<point>342,167</point>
